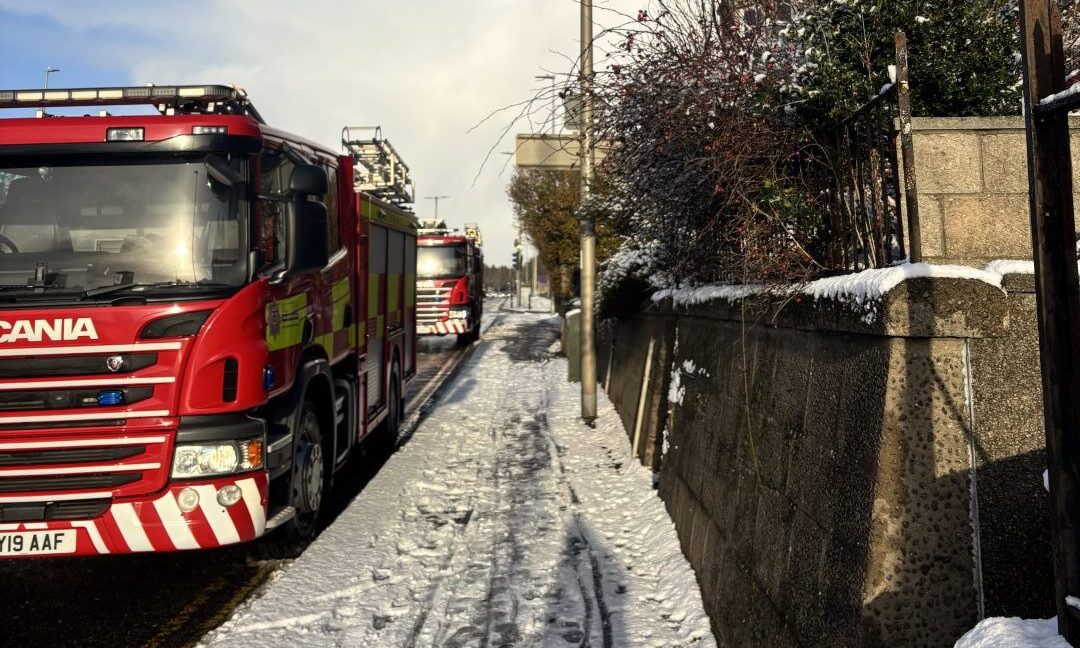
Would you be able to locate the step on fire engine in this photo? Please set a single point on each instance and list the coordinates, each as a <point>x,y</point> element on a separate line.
<point>200,316</point>
<point>450,280</point>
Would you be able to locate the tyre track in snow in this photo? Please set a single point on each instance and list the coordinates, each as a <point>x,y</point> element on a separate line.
<point>435,590</point>
<point>518,478</point>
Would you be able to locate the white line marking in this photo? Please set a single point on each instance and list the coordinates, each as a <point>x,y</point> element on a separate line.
<point>253,501</point>
<point>35,526</point>
<point>131,527</point>
<point>95,537</point>
<point>175,524</point>
<point>220,522</point>
<point>80,350</point>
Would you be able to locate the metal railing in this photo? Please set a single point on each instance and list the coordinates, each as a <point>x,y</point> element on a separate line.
<point>862,181</point>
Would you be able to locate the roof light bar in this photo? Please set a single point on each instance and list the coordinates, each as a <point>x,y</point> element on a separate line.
<point>124,135</point>
<point>204,99</point>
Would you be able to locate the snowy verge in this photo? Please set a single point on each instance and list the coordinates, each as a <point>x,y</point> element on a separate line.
<point>1001,632</point>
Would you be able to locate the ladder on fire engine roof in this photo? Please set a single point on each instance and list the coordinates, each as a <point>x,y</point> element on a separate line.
<point>472,232</point>
<point>168,99</point>
<point>380,171</point>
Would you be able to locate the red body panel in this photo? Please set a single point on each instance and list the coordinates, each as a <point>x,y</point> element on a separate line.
<point>71,130</point>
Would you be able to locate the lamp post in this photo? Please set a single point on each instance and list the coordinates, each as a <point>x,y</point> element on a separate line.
<point>588,231</point>
<point>437,199</point>
<point>48,70</point>
<point>550,77</point>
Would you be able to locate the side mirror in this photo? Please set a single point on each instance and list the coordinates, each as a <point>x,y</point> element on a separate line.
<point>305,236</point>
<point>308,180</point>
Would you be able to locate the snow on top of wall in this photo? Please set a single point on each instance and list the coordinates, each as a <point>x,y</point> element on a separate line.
<point>1009,266</point>
<point>1000,632</point>
<point>861,290</point>
<point>874,284</point>
<point>702,294</point>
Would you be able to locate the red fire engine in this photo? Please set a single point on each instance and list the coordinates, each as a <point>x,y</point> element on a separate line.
<point>450,280</point>
<point>200,316</point>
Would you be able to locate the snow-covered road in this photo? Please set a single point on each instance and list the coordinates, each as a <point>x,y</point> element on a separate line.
<point>504,521</point>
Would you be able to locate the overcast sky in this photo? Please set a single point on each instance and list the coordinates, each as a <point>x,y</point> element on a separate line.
<point>425,70</point>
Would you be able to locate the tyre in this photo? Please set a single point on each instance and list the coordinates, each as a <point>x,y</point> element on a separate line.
<point>310,484</point>
<point>386,437</point>
<point>472,336</point>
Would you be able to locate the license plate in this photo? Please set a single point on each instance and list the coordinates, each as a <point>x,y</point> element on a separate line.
<point>37,543</point>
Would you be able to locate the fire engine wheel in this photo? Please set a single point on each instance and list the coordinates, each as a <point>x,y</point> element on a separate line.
<point>470,337</point>
<point>309,487</point>
<point>386,437</point>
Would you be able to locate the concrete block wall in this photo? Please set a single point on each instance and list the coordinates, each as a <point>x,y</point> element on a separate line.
<point>844,484</point>
<point>972,187</point>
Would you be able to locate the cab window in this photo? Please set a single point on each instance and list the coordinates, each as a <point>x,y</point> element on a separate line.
<point>274,171</point>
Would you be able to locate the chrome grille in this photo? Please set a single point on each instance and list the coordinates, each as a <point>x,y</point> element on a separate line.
<point>432,304</point>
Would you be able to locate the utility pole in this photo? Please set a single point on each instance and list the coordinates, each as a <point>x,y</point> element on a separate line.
<point>536,262</point>
<point>588,232</point>
<point>437,199</point>
<point>1057,295</point>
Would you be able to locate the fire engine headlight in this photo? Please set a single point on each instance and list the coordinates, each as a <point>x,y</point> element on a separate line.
<point>210,459</point>
<point>459,313</point>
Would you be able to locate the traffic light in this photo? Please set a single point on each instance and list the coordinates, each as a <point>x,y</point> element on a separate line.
<point>516,259</point>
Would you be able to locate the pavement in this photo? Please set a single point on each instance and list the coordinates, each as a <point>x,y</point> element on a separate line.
<point>502,521</point>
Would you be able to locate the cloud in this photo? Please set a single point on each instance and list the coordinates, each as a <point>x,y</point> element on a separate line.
<point>425,70</point>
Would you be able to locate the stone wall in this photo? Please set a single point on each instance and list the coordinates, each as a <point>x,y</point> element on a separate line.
<point>840,483</point>
<point>972,187</point>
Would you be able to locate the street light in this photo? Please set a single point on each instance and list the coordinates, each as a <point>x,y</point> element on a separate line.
<point>588,231</point>
<point>48,70</point>
<point>437,199</point>
<point>550,77</point>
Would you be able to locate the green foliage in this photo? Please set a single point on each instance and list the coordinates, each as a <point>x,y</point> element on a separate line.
<point>793,209</point>
<point>962,55</point>
<point>547,204</point>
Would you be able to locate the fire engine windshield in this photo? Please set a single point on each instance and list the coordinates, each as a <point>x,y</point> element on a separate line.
<point>82,223</point>
<point>441,261</point>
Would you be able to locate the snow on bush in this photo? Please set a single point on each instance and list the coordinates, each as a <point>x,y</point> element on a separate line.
<point>628,278</point>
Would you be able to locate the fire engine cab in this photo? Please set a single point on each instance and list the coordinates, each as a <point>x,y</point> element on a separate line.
<point>200,317</point>
<point>450,280</point>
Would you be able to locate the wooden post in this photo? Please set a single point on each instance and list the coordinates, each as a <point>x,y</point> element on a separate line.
<point>907,149</point>
<point>1057,293</point>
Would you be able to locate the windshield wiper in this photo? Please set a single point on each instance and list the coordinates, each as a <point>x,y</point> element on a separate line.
<point>146,287</point>
<point>11,293</point>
